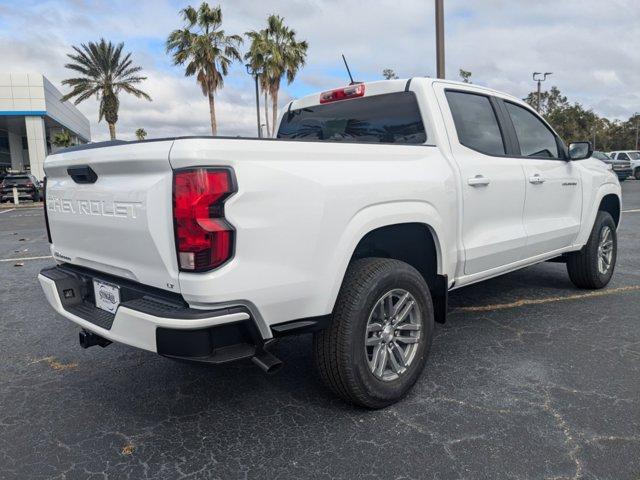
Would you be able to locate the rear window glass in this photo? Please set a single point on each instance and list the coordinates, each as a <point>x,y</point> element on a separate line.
<point>388,118</point>
<point>476,122</point>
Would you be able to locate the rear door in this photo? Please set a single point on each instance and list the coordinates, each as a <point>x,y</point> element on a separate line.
<point>553,205</point>
<point>493,184</point>
<point>110,209</point>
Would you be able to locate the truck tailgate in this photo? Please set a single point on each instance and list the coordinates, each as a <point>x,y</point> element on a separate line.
<point>122,222</point>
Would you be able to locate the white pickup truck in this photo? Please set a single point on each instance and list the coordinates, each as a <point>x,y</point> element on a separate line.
<point>371,204</point>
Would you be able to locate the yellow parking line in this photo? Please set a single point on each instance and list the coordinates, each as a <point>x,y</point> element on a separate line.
<point>540,301</point>
<point>25,258</point>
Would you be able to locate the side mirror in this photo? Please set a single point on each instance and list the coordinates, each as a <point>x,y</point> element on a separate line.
<point>580,150</point>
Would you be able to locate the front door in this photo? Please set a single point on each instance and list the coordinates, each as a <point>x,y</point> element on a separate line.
<point>553,205</point>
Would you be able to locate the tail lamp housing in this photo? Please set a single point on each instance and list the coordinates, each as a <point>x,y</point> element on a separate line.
<point>204,238</point>
<point>352,91</point>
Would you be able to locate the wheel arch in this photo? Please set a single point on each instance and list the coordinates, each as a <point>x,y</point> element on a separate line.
<point>399,231</point>
<point>611,203</point>
<point>606,198</point>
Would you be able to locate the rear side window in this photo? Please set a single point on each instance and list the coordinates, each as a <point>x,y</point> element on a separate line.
<point>535,139</point>
<point>388,118</point>
<point>476,122</point>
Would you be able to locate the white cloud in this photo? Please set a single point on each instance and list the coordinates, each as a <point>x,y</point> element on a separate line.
<point>590,45</point>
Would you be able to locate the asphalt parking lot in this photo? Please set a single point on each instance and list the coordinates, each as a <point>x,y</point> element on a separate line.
<point>530,378</point>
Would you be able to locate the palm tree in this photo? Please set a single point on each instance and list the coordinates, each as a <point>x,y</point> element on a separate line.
<point>62,139</point>
<point>275,52</point>
<point>141,134</point>
<point>105,73</point>
<point>287,57</point>
<point>206,50</point>
<point>259,60</point>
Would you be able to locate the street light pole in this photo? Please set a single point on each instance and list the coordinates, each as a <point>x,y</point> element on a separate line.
<point>539,80</point>
<point>251,71</point>
<point>637,115</point>
<point>440,38</point>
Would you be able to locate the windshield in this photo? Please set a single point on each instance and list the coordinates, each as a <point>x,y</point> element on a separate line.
<point>600,156</point>
<point>388,118</point>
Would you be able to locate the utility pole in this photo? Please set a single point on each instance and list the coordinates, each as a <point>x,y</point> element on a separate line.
<point>251,71</point>
<point>539,80</point>
<point>637,115</point>
<point>440,38</point>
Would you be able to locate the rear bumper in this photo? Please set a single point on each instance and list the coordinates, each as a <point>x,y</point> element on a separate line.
<point>8,194</point>
<point>152,323</point>
<point>622,174</point>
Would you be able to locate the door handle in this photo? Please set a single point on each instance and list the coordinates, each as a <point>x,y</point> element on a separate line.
<point>478,181</point>
<point>536,179</point>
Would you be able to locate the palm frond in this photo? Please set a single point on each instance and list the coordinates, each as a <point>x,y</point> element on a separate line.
<point>105,71</point>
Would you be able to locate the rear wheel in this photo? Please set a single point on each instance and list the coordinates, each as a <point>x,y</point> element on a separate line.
<point>379,338</point>
<point>593,266</point>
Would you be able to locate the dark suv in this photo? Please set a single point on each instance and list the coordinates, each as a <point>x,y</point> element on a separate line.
<point>26,184</point>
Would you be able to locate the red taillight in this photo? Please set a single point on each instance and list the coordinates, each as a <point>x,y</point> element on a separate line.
<point>352,91</point>
<point>204,239</point>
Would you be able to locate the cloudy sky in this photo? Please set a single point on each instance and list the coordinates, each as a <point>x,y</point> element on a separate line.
<point>591,46</point>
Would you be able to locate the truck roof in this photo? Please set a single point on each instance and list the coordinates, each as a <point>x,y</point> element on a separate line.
<point>379,87</point>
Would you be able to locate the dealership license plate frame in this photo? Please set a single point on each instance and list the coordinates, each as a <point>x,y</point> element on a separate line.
<point>106,295</point>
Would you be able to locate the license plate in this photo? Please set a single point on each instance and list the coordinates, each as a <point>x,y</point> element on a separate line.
<point>107,295</point>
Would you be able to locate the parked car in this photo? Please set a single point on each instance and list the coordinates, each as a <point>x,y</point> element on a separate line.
<point>26,184</point>
<point>622,168</point>
<point>633,156</point>
<point>374,201</point>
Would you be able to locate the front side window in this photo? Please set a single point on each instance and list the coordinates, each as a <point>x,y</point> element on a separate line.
<point>535,139</point>
<point>476,122</point>
<point>388,118</point>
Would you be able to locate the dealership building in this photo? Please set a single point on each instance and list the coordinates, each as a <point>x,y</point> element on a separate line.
<point>31,113</point>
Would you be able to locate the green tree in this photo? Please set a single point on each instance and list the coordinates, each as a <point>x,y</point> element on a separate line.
<point>549,100</point>
<point>106,72</point>
<point>284,55</point>
<point>573,122</point>
<point>62,139</point>
<point>206,50</point>
<point>141,134</point>
<point>389,74</point>
<point>465,75</point>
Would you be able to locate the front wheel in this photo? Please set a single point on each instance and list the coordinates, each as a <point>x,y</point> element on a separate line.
<point>592,267</point>
<point>379,338</point>
<point>636,173</point>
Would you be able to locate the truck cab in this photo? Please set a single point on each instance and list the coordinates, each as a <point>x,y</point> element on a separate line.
<point>372,203</point>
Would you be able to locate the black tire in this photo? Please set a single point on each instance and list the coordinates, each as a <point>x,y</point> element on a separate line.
<point>340,354</point>
<point>583,265</point>
<point>636,173</point>
<point>36,197</point>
